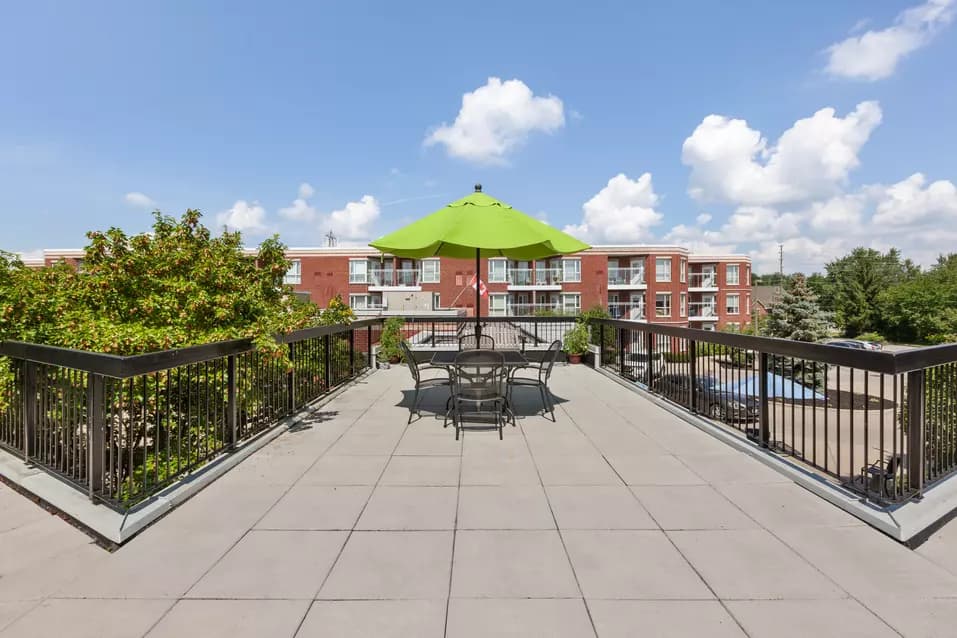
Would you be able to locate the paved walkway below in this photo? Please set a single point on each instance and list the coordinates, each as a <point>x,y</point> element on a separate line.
<point>617,520</point>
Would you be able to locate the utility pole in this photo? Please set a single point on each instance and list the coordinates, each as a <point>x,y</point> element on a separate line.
<point>781,262</point>
<point>331,239</point>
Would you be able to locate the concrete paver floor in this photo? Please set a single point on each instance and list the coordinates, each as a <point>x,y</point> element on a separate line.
<point>616,520</point>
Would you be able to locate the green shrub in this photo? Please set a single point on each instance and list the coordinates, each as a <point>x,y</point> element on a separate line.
<point>676,357</point>
<point>871,336</point>
<point>576,339</point>
<point>742,358</point>
<point>390,339</point>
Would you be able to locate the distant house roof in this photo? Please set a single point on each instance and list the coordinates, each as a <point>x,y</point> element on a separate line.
<point>764,296</point>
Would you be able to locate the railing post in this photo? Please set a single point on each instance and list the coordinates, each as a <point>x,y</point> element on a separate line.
<point>29,411</point>
<point>535,323</point>
<point>232,411</point>
<point>915,430</point>
<point>693,372</point>
<point>327,365</point>
<point>291,379</point>
<point>352,353</point>
<point>650,347</point>
<point>369,343</point>
<point>764,436</point>
<point>601,345</point>
<point>96,432</point>
<point>621,353</point>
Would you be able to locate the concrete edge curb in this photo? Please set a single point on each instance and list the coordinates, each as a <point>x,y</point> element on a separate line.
<point>118,527</point>
<point>903,523</point>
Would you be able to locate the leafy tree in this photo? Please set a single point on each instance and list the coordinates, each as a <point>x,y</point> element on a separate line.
<point>853,282</point>
<point>922,309</point>
<point>797,315</point>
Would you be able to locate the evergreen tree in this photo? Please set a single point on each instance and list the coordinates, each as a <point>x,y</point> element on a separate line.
<point>797,315</point>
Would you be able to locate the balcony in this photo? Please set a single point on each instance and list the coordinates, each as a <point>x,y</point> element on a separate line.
<point>340,518</point>
<point>626,278</point>
<point>389,280</point>
<point>702,282</point>
<point>703,311</point>
<point>627,310</point>
<point>533,309</point>
<point>535,279</point>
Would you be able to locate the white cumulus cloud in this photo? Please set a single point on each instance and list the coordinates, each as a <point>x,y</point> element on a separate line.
<point>139,200</point>
<point>356,219</point>
<point>247,217</point>
<point>301,210</point>
<point>622,211</point>
<point>495,119</point>
<point>306,190</point>
<point>703,218</point>
<point>874,55</point>
<point>913,201</point>
<point>732,162</point>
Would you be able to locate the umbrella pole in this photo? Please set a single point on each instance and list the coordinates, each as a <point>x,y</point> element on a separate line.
<point>478,296</point>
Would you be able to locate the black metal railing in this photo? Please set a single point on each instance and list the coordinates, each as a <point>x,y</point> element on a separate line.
<point>124,428</point>
<point>883,424</point>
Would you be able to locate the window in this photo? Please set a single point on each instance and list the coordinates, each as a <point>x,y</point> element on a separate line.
<point>683,265</point>
<point>294,274</point>
<point>747,304</point>
<point>733,304</point>
<point>733,274</point>
<point>430,271</point>
<point>663,304</point>
<point>436,301</point>
<point>663,270</point>
<point>360,302</point>
<point>497,269</point>
<point>683,305</point>
<point>497,304</point>
<point>571,270</point>
<point>571,303</point>
<point>747,274</point>
<point>358,271</point>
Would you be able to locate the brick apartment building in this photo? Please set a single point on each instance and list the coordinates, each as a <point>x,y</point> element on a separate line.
<point>658,284</point>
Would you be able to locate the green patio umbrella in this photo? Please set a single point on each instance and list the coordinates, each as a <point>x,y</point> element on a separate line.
<point>482,226</point>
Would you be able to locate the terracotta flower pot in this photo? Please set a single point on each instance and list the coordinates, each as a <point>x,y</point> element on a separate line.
<point>394,360</point>
<point>574,358</point>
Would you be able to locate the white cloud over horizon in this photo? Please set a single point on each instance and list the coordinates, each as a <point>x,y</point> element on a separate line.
<point>731,162</point>
<point>139,200</point>
<point>496,119</point>
<point>875,54</point>
<point>355,220</point>
<point>246,217</point>
<point>623,211</point>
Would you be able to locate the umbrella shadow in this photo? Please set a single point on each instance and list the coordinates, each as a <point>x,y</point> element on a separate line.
<point>526,402</point>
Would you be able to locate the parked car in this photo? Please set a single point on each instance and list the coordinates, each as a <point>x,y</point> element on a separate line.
<point>855,344</point>
<point>712,401</point>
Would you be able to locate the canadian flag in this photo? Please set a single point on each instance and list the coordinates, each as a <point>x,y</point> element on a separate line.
<point>483,290</point>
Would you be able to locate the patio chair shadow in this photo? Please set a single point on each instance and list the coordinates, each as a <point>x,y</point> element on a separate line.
<point>526,402</point>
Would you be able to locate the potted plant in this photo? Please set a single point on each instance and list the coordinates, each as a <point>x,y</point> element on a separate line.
<point>576,342</point>
<point>390,340</point>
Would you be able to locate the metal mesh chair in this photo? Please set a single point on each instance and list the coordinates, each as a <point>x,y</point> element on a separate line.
<point>474,342</point>
<point>479,385</point>
<point>543,371</point>
<point>422,383</point>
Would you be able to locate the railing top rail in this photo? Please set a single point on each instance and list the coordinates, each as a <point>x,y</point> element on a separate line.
<point>871,360</point>
<point>121,367</point>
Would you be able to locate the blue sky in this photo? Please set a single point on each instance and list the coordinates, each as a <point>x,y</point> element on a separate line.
<point>241,108</point>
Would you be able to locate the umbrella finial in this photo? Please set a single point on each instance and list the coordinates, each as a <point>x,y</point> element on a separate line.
<point>478,188</point>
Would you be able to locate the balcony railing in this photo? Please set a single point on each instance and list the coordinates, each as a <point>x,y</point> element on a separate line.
<point>706,309</point>
<point>533,309</point>
<point>881,424</point>
<point>702,280</point>
<point>626,276</point>
<point>122,429</point>
<point>535,277</point>
<point>626,310</point>
<point>408,277</point>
